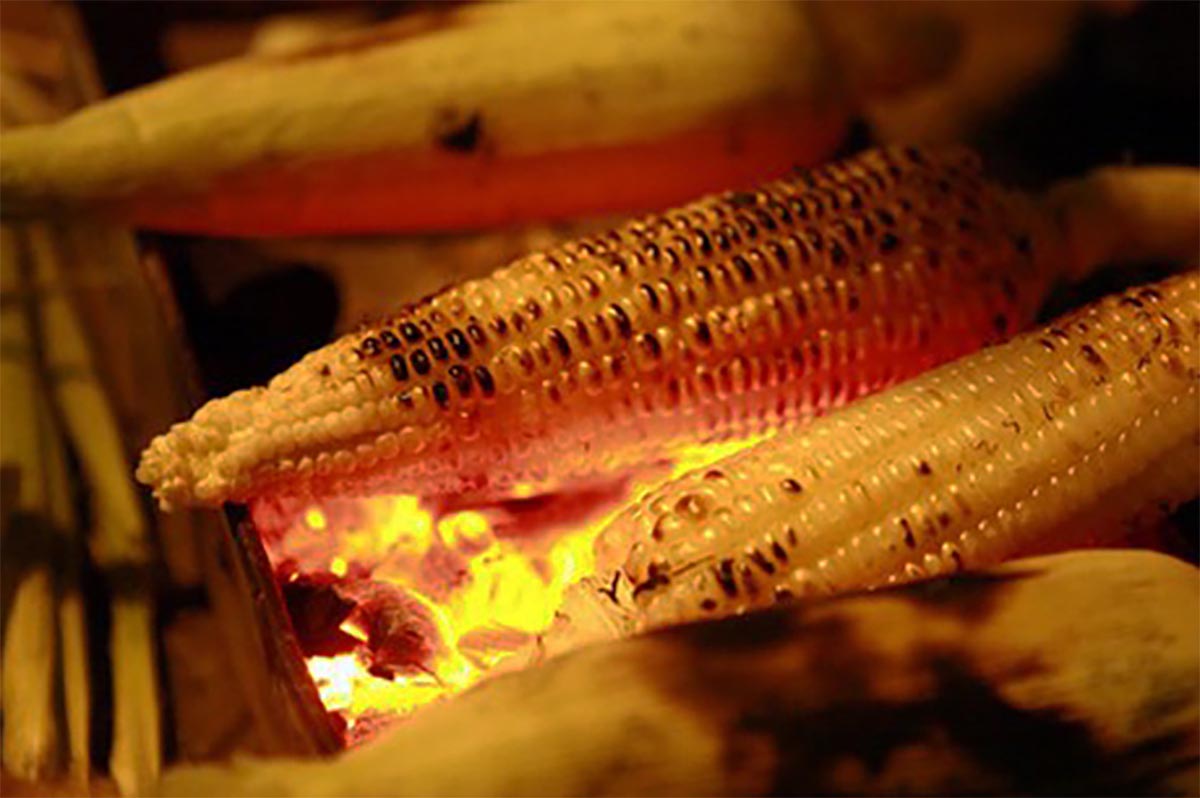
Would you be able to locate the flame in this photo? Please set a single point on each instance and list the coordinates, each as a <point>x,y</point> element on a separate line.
<point>487,595</point>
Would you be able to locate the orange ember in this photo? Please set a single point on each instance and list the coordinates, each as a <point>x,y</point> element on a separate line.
<point>397,604</point>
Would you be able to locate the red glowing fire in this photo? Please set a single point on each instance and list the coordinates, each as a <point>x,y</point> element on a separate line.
<point>397,605</point>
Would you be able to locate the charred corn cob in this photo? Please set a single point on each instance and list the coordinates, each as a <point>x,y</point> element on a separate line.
<point>450,119</point>
<point>1083,426</point>
<point>738,313</point>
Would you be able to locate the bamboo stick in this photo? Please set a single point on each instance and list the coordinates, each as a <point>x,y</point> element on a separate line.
<point>119,539</point>
<point>30,745</point>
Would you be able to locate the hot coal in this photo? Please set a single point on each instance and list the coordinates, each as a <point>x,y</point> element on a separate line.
<point>317,610</point>
<point>401,636</point>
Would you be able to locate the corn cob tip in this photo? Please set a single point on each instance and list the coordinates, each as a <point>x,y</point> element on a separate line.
<point>184,466</point>
<point>167,473</point>
<point>311,428</point>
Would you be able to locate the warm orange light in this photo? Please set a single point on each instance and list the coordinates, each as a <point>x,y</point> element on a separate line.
<point>488,594</point>
<point>353,630</point>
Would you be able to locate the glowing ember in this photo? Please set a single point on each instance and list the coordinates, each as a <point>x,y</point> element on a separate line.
<point>402,607</point>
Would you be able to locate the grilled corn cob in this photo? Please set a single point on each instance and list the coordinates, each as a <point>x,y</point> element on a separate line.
<point>735,314</point>
<point>1083,426</point>
<point>450,119</point>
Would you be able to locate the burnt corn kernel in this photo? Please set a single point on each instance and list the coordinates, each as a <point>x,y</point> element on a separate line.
<point>579,329</point>
<point>1113,452</point>
<point>651,296</point>
<point>624,326</point>
<point>420,362</point>
<point>458,342</point>
<point>441,394</point>
<point>747,225</point>
<point>484,378</point>
<point>590,286</point>
<point>462,379</point>
<point>743,267</point>
<point>399,367</point>
<point>837,254</point>
<point>651,346</point>
<point>742,199</point>
<point>560,343</point>
<point>723,572</point>
<point>411,332</point>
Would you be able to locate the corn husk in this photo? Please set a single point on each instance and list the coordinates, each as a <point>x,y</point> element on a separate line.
<point>1028,679</point>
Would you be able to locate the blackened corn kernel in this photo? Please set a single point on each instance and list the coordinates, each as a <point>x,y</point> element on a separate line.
<point>441,394</point>
<point>483,377</point>
<point>458,342</point>
<point>411,332</point>
<point>462,379</point>
<point>560,343</point>
<point>624,326</point>
<point>437,348</point>
<point>399,367</point>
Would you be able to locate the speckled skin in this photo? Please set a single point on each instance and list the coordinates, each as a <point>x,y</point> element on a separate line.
<point>738,313</point>
<point>1066,435</point>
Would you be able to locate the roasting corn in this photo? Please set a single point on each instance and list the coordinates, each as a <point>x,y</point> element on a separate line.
<point>1065,436</point>
<point>736,314</point>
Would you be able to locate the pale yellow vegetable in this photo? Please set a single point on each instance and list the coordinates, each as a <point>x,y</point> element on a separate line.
<point>1068,435</point>
<point>457,117</point>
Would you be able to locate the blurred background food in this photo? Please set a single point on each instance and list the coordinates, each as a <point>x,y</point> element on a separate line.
<point>299,167</point>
